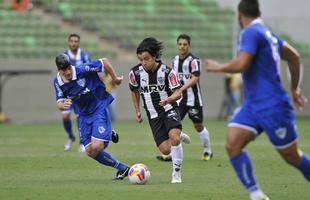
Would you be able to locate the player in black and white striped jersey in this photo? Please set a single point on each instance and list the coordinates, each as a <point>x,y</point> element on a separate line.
<point>187,67</point>
<point>160,89</point>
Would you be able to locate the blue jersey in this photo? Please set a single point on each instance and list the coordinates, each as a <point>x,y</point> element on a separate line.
<point>78,59</point>
<point>262,82</point>
<point>267,107</point>
<point>85,89</point>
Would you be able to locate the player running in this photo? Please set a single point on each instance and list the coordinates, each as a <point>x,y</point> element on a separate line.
<point>267,107</point>
<point>159,88</point>
<point>82,85</point>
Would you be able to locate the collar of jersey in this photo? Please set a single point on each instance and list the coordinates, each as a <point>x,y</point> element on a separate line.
<point>75,57</point>
<point>256,21</point>
<point>74,77</point>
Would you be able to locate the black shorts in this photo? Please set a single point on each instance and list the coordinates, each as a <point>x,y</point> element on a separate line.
<point>195,113</point>
<point>163,124</point>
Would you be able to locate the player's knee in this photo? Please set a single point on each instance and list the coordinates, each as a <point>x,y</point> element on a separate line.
<point>175,140</point>
<point>66,116</point>
<point>199,127</point>
<point>165,151</point>
<point>232,150</point>
<point>94,149</point>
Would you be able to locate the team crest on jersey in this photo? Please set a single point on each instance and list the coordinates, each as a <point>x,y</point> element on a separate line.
<point>101,129</point>
<point>81,82</point>
<point>281,132</point>
<point>87,68</point>
<point>161,80</point>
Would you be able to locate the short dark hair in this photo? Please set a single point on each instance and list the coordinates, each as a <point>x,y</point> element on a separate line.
<point>185,37</point>
<point>74,35</point>
<point>62,61</point>
<point>152,46</point>
<point>249,8</point>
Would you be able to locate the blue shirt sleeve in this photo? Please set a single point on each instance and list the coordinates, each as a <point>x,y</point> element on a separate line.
<point>58,91</point>
<point>93,66</point>
<point>248,41</point>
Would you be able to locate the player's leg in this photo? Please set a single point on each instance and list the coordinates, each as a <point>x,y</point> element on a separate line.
<point>243,128</point>
<point>237,139</point>
<point>280,126</point>
<point>184,137</point>
<point>100,135</point>
<point>67,124</point>
<point>295,157</point>
<point>196,115</point>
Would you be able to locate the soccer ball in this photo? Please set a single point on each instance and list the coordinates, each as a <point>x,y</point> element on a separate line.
<point>139,174</point>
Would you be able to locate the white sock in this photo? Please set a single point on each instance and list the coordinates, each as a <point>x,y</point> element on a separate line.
<point>177,157</point>
<point>205,140</point>
<point>257,194</point>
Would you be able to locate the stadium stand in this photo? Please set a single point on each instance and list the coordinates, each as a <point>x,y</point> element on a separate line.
<point>25,34</point>
<point>125,22</point>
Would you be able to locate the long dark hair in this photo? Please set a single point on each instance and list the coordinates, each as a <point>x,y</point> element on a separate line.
<point>152,46</point>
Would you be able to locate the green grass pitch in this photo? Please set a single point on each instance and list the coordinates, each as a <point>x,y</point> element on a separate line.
<point>34,166</point>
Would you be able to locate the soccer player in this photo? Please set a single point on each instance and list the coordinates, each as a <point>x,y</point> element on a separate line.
<point>159,88</point>
<point>77,57</point>
<point>266,107</point>
<point>187,67</point>
<point>82,85</point>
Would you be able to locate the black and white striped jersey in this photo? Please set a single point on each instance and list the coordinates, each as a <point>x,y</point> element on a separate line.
<point>154,87</point>
<point>185,68</point>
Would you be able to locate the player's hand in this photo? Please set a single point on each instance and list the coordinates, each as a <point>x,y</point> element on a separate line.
<point>212,65</point>
<point>163,102</point>
<point>139,117</point>
<point>118,80</point>
<point>299,99</point>
<point>66,103</point>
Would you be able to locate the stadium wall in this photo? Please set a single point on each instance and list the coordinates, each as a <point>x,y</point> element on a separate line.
<point>285,16</point>
<point>30,98</point>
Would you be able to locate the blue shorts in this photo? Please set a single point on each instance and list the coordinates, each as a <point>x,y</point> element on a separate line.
<point>278,122</point>
<point>96,126</point>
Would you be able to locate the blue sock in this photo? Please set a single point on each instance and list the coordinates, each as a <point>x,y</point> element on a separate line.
<point>106,159</point>
<point>68,127</point>
<point>244,170</point>
<point>304,166</point>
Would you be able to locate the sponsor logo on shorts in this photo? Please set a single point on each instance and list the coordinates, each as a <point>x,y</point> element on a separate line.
<point>101,129</point>
<point>281,132</point>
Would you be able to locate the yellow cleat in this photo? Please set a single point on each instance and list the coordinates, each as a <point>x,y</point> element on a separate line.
<point>164,157</point>
<point>206,156</point>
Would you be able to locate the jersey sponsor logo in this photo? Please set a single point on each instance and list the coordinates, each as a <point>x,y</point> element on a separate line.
<point>173,80</point>
<point>281,132</point>
<point>132,79</point>
<point>81,82</point>
<point>88,68</point>
<point>182,75</point>
<point>152,88</point>
<point>194,65</point>
<point>86,90</point>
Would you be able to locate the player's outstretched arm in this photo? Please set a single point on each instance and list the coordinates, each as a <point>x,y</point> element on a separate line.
<point>236,65</point>
<point>110,70</point>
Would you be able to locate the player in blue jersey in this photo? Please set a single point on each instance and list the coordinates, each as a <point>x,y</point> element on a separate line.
<point>77,57</point>
<point>82,86</point>
<point>266,107</point>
